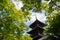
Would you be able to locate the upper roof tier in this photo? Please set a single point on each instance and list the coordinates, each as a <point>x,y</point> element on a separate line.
<point>37,23</point>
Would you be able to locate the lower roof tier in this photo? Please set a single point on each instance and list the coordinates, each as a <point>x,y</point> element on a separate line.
<point>33,35</point>
<point>36,30</point>
<point>37,37</point>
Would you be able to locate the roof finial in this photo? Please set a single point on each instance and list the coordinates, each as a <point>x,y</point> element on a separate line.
<point>35,16</point>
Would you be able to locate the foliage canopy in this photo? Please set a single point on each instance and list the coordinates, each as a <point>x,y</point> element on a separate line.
<point>12,20</point>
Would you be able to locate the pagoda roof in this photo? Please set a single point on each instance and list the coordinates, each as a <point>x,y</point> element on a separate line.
<point>35,30</point>
<point>37,22</point>
<point>37,37</point>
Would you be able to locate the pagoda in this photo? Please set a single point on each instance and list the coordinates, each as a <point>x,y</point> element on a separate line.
<point>37,30</point>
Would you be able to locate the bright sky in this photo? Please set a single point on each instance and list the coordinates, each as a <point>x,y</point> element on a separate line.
<point>18,4</point>
<point>40,16</point>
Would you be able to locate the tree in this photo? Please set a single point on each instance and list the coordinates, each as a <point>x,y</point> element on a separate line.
<point>32,5</point>
<point>52,11</point>
<point>26,37</point>
<point>12,21</point>
<point>53,19</point>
